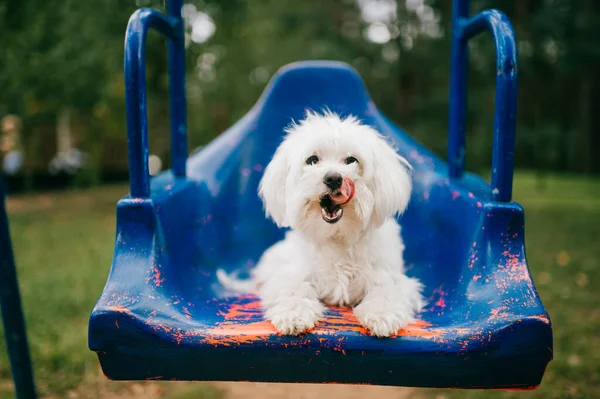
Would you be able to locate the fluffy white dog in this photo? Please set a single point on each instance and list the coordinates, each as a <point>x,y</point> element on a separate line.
<point>338,185</point>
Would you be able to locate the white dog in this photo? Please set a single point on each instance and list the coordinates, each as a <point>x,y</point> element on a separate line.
<point>338,185</point>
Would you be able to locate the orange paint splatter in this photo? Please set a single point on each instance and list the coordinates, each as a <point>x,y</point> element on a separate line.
<point>156,276</point>
<point>498,313</point>
<point>529,388</point>
<point>541,317</point>
<point>340,319</point>
<point>162,327</point>
<point>476,277</point>
<point>418,329</point>
<point>243,311</point>
<point>243,324</point>
<point>256,329</point>
<point>178,336</point>
<point>119,309</point>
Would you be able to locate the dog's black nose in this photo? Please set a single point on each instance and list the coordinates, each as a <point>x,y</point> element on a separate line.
<point>333,180</point>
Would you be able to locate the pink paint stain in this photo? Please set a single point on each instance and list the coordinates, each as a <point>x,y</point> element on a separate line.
<point>418,158</point>
<point>455,194</point>
<point>441,302</point>
<point>473,258</point>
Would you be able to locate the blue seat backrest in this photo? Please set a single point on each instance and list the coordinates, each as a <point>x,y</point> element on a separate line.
<point>231,167</point>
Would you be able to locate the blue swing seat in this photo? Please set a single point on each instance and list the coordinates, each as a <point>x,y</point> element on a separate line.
<point>163,316</point>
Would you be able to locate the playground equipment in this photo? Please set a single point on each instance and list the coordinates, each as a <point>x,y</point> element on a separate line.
<point>163,316</point>
<point>12,313</point>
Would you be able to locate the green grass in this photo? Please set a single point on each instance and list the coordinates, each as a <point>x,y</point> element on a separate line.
<point>63,244</point>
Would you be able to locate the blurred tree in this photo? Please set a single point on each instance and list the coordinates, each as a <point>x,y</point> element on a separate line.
<point>68,54</point>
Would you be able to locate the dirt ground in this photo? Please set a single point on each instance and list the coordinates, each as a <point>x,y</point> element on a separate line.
<point>249,390</point>
<point>102,388</point>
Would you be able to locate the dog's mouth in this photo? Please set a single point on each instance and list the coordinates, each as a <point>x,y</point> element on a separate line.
<point>332,203</point>
<point>330,211</point>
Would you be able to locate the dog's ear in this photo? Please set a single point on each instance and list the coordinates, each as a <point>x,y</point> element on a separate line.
<point>391,181</point>
<point>273,186</point>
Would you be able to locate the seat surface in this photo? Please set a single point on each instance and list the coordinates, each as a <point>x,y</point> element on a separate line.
<point>162,314</point>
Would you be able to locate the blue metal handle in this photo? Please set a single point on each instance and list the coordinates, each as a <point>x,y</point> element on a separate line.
<point>171,26</point>
<point>464,28</point>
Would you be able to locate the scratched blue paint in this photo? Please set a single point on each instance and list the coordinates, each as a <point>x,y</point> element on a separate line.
<point>163,316</point>
<point>464,28</point>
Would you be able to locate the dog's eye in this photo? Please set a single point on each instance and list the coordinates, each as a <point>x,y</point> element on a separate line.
<point>313,159</point>
<point>350,160</point>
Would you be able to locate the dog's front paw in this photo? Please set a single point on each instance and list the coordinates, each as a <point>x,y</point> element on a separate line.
<point>381,320</point>
<point>292,316</point>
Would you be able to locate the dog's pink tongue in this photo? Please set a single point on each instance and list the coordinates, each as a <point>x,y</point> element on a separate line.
<point>346,192</point>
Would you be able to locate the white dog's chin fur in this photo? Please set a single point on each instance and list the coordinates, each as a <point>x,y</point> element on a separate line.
<point>356,260</point>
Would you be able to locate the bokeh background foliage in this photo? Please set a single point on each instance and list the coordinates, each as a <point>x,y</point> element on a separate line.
<point>60,55</point>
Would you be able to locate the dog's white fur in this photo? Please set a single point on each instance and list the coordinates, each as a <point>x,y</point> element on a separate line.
<point>355,262</point>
